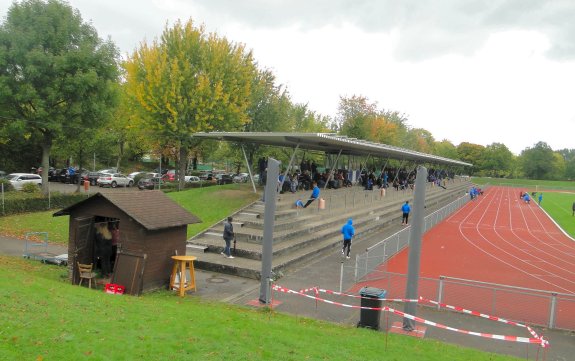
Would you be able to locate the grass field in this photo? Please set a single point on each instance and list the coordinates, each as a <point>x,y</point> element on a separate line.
<point>529,184</point>
<point>46,318</point>
<point>210,204</point>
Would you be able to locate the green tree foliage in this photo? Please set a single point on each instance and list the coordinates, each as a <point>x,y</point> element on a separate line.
<point>446,149</point>
<point>497,160</point>
<point>55,74</point>
<point>354,116</point>
<point>538,162</point>
<point>420,140</point>
<point>190,81</point>
<point>358,118</point>
<point>471,153</point>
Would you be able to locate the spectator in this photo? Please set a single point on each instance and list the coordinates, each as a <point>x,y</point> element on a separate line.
<point>314,194</point>
<point>228,236</point>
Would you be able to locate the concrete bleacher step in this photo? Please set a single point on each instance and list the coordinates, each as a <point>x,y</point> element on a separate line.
<point>302,235</point>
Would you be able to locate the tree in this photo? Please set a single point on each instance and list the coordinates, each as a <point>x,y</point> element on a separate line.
<point>420,140</point>
<point>446,149</point>
<point>354,116</point>
<point>188,82</point>
<point>497,159</point>
<point>471,153</point>
<point>55,73</point>
<point>538,162</point>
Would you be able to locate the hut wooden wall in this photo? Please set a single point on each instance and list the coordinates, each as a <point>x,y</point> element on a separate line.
<point>159,245</point>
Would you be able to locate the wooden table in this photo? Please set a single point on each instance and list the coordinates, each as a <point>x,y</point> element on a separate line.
<point>180,265</point>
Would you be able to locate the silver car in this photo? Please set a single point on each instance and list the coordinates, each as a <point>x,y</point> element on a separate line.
<point>114,180</point>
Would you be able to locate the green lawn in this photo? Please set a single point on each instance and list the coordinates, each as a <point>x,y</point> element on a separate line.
<point>559,206</point>
<point>210,204</point>
<point>528,184</point>
<point>46,318</point>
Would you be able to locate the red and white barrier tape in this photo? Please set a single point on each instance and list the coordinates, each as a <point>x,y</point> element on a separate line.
<point>535,340</point>
<point>455,308</point>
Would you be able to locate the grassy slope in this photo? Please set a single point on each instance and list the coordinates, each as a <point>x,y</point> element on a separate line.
<point>45,318</point>
<point>210,204</point>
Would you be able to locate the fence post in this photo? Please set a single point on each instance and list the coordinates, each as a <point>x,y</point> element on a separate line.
<point>341,277</point>
<point>552,310</point>
<point>440,291</point>
<point>356,267</point>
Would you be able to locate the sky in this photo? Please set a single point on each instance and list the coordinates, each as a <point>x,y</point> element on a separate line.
<point>478,71</point>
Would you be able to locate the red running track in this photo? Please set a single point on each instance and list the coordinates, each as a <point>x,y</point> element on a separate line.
<point>499,239</point>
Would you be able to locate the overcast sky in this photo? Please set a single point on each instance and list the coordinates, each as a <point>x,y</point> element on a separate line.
<point>479,71</point>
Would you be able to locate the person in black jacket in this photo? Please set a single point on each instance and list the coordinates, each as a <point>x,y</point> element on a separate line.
<point>103,248</point>
<point>228,237</point>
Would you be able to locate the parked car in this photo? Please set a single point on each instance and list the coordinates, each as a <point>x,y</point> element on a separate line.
<point>241,177</point>
<point>91,177</point>
<point>108,171</point>
<point>19,179</point>
<point>192,179</point>
<point>153,175</point>
<point>207,176</point>
<point>134,174</point>
<point>66,177</point>
<point>114,180</point>
<point>170,176</point>
<point>150,183</point>
<point>224,179</point>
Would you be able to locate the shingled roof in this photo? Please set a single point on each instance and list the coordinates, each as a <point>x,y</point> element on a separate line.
<point>151,209</point>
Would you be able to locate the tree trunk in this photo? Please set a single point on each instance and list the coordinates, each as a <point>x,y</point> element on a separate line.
<point>120,154</point>
<point>46,148</point>
<point>184,149</point>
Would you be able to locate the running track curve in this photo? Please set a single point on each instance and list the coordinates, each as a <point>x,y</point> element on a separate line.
<point>498,238</point>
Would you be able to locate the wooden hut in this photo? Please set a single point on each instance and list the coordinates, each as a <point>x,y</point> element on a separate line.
<point>152,228</point>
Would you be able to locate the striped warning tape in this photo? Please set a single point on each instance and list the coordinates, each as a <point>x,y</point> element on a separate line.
<point>534,340</point>
<point>455,308</point>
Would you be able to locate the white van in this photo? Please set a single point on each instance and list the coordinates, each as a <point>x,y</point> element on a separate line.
<point>19,179</point>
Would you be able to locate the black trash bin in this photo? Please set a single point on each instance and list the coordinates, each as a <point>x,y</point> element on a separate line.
<point>371,297</point>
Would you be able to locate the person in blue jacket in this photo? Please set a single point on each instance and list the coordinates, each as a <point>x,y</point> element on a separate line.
<point>314,194</point>
<point>405,209</point>
<point>540,197</point>
<point>348,232</point>
<point>526,198</point>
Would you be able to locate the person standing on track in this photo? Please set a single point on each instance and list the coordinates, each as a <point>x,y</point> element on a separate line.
<point>405,209</point>
<point>573,208</point>
<point>540,198</point>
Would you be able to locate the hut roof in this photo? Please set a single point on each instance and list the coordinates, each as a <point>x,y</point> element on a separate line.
<point>151,209</point>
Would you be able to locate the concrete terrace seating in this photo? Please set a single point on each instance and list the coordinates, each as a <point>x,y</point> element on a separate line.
<point>303,234</point>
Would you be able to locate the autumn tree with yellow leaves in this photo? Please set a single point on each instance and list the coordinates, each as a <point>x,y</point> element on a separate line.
<point>189,81</point>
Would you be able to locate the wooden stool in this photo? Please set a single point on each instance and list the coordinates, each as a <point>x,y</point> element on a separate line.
<point>180,264</point>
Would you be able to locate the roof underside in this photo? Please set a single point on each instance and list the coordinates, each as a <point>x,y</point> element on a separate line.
<point>330,144</point>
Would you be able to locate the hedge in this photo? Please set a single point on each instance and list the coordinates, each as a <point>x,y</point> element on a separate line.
<point>20,202</point>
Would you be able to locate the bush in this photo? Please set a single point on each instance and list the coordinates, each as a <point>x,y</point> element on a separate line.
<point>21,202</point>
<point>7,185</point>
<point>30,188</point>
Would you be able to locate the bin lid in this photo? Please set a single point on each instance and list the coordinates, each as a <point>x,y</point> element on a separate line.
<point>372,292</point>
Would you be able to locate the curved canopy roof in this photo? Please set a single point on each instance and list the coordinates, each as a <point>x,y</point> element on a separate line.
<point>330,143</point>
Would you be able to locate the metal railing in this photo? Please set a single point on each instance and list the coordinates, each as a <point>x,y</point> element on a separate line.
<point>535,307</point>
